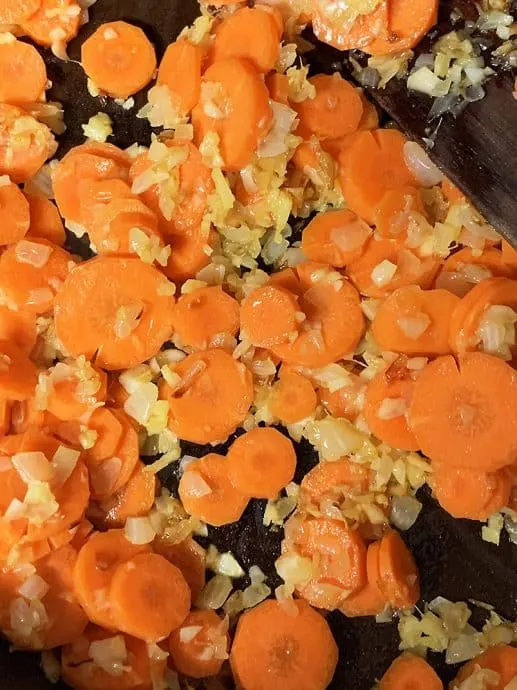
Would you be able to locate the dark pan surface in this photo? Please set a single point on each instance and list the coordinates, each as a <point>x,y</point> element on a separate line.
<point>453,560</point>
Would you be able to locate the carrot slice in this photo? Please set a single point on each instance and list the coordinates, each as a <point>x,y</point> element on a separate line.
<point>214,382</point>
<point>332,480</point>
<point>149,597</point>
<point>45,221</point>
<point>335,237</point>
<point>399,580</point>
<point>22,156</point>
<point>248,34</point>
<point>314,164</point>
<point>304,651</point>
<point>374,165</point>
<point>343,29</point>
<point>18,375</point>
<point>278,87</point>
<point>261,463</point>
<point>14,213</point>
<point>24,75</point>
<point>81,387</point>
<point>490,259</point>
<point>189,557</point>
<point>96,564</point>
<point>54,18</point>
<point>293,397</point>
<point>386,404</point>
<point>334,112</point>
<point>135,499</point>
<point>203,655</point>
<point>122,330</point>
<point>346,402</point>
<point>502,659</point>
<point>339,557</point>
<point>180,70</point>
<point>15,11</point>
<point>269,316</point>
<point>407,26</point>
<point>368,601</point>
<point>207,492</point>
<point>456,419</point>
<point>190,250</point>
<point>109,429</point>
<point>119,59</point>
<point>18,327</point>
<point>413,321</point>
<point>200,316</point>
<point>386,265</point>
<point>233,89</point>
<point>409,670</point>
<point>395,211</point>
<point>471,494</point>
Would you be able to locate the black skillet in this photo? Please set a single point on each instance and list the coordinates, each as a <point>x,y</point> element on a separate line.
<point>453,560</point>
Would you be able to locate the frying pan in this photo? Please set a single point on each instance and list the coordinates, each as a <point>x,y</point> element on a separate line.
<point>452,559</point>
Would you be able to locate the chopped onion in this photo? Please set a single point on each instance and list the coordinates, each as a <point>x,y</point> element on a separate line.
<point>255,594</point>
<point>138,530</point>
<point>33,467</point>
<point>109,654</point>
<point>404,511</point>
<point>352,236</point>
<point>64,463</point>
<point>294,569</point>
<point>386,616</point>
<point>15,510</point>
<point>463,648</point>
<point>127,320</point>
<point>275,143</point>
<point>51,667</point>
<point>195,485</point>
<point>392,408</point>
<point>256,575</point>
<point>414,326</point>
<point>155,653</point>
<point>481,679</point>
<point>34,587</point>
<point>421,166</point>
<point>20,617</point>
<point>32,253</point>
<point>215,592</point>
<point>140,403</point>
<point>248,181</point>
<point>334,438</point>
<point>383,273</point>
<point>189,633</point>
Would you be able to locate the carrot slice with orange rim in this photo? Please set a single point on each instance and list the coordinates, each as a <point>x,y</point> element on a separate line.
<point>410,669</point>
<point>502,659</point>
<point>45,221</point>
<point>407,25</point>
<point>269,316</point>
<point>134,499</point>
<point>189,557</point>
<point>399,580</point>
<point>331,480</point>
<point>368,601</point>
<point>55,21</point>
<point>344,29</point>
<point>395,211</point>
<point>202,656</point>
<point>15,11</point>
<point>14,214</point>
<point>293,397</point>
<point>335,237</point>
<point>24,75</point>
<point>180,70</point>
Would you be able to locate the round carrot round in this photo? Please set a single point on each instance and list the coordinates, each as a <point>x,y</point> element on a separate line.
<point>332,480</point>
<point>399,580</point>
<point>293,398</point>
<point>134,499</point>
<point>119,59</point>
<point>406,26</point>
<point>14,213</point>
<point>189,557</point>
<point>207,492</point>
<point>268,316</point>
<point>409,671</point>
<point>201,315</point>
<point>54,17</point>
<point>180,70</point>
<point>202,655</point>
<point>335,237</point>
<point>45,221</point>
<point>283,652</point>
<point>396,210</point>
<point>23,73</point>
<point>368,601</point>
<point>346,402</point>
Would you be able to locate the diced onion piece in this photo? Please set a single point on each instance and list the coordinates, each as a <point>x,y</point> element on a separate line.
<point>138,530</point>
<point>294,569</point>
<point>51,667</point>
<point>352,236</point>
<point>256,575</point>
<point>334,438</point>
<point>255,594</point>
<point>248,180</point>
<point>140,403</point>
<point>20,617</point>
<point>421,166</point>
<point>109,654</point>
<point>414,326</point>
<point>463,648</point>
<point>228,565</point>
<point>392,408</point>
<point>33,467</point>
<point>215,592</point>
<point>275,144</point>
<point>15,510</point>
<point>32,253</point>
<point>64,463</point>
<point>383,273</point>
<point>481,679</point>
<point>34,587</point>
<point>127,320</point>
<point>404,511</point>
<point>195,485</point>
<point>132,379</point>
<point>189,633</point>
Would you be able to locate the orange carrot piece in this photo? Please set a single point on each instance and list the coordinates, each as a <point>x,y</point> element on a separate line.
<point>509,255</point>
<point>293,397</point>
<point>203,655</point>
<point>248,34</point>
<point>190,250</point>
<point>335,111</point>
<point>18,375</point>
<point>396,210</point>
<point>149,597</point>
<point>96,564</point>
<point>413,321</point>
<point>214,382</point>
<point>119,59</point>
<point>18,327</point>
<point>242,99</point>
<point>345,402</point>
<point>302,645</point>
<point>189,557</point>
<point>200,316</point>
<point>123,330</point>
<point>72,396</point>
<point>15,11</point>
<point>22,156</point>
<point>45,221</point>
<point>502,659</point>
<point>278,87</point>
<point>374,165</point>
<point>24,75</point>
<point>406,26</point>
<point>344,30</point>
<point>261,463</point>
<point>399,580</point>
<point>135,499</point>
<point>471,494</point>
<point>335,237</point>
<point>408,671</point>
<point>330,480</point>
<point>456,421</point>
<point>490,259</point>
<point>269,316</point>
<point>368,601</point>
<point>109,429</point>
<point>207,492</point>
<point>315,164</point>
<point>180,70</point>
<point>54,17</point>
<point>14,213</point>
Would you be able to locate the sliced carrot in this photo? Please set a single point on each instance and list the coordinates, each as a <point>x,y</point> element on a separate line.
<point>287,279</point>
<point>149,597</point>
<point>334,112</point>
<point>110,430</point>
<point>368,601</point>
<point>395,211</point>
<point>335,237</point>
<point>344,30</point>
<point>413,321</point>
<point>119,59</point>
<point>509,255</point>
<point>72,396</point>
<point>180,70</point>
<point>22,155</point>
<point>339,558</point>
<point>460,413</point>
<point>18,375</point>
<point>233,89</point>
<point>18,327</point>
<point>386,265</point>
<point>189,557</point>
<point>269,316</point>
<point>370,118</point>
<point>374,165</point>
<point>24,75</point>
<point>315,164</point>
<point>502,659</point>
<point>386,405</point>
<point>278,87</point>
<point>466,318</point>
<point>333,324</point>
<point>96,564</point>
<point>45,221</point>
<point>492,260</point>
<point>293,398</point>
<point>190,250</point>
<point>214,382</point>
<point>331,480</point>
<point>408,671</point>
<point>339,148</point>
<point>207,492</point>
<point>406,26</point>
<point>261,463</point>
<point>304,652</point>
<point>399,580</point>
<point>203,655</point>
<point>135,499</point>
<point>471,494</point>
<point>203,314</point>
<point>248,34</point>
<point>54,18</point>
<point>132,317</point>
<point>15,11</point>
